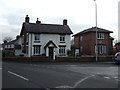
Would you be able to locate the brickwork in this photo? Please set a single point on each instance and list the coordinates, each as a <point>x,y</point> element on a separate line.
<point>88,43</point>
<point>61,59</point>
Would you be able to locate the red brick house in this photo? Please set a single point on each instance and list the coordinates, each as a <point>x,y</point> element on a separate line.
<point>117,47</point>
<point>85,41</point>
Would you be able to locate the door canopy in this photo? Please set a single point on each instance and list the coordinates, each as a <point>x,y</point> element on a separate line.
<point>49,43</point>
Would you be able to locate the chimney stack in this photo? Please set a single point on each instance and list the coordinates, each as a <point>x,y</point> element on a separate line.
<point>38,21</point>
<point>65,22</point>
<point>5,41</point>
<point>17,37</point>
<point>27,19</point>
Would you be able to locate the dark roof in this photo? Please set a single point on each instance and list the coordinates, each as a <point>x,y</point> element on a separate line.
<point>93,29</point>
<point>11,42</point>
<point>111,38</point>
<point>117,43</point>
<point>46,28</point>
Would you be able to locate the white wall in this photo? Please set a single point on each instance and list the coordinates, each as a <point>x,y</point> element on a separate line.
<point>45,38</point>
<point>19,41</point>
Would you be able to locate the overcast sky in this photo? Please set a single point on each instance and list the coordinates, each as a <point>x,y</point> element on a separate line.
<point>79,13</point>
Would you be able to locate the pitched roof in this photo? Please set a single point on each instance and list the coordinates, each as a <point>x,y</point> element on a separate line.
<point>11,42</point>
<point>46,28</point>
<point>93,29</point>
<point>117,43</point>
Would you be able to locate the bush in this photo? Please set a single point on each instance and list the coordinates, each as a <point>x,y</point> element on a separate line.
<point>7,54</point>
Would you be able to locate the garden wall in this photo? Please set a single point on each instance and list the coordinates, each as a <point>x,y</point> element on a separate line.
<point>85,59</point>
<point>42,58</point>
<point>61,59</point>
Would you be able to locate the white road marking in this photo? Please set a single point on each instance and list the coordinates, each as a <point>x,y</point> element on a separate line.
<point>64,86</point>
<point>115,77</point>
<point>47,89</point>
<point>18,75</point>
<point>77,83</point>
<point>107,77</point>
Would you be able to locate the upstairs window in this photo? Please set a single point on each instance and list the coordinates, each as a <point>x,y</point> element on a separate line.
<point>36,38</point>
<point>62,38</point>
<point>81,38</point>
<point>100,35</point>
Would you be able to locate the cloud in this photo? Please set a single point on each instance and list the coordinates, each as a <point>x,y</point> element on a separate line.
<point>79,13</point>
<point>9,31</point>
<point>14,18</point>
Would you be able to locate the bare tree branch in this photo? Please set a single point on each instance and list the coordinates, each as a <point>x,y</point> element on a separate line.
<point>7,39</point>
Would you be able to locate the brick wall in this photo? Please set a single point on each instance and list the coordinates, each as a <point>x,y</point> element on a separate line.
<point>42,58</point>
<point>117,48</point>
<point>61,59</point>
<point>84,59</point>
<point>89,41</point>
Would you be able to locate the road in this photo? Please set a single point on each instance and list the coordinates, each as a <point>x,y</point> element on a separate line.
<point>59,75</point>
<point>0,75</point>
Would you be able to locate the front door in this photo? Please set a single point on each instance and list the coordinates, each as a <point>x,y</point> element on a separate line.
<point>51,52</point>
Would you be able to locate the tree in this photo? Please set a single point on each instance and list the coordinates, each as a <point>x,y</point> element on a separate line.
<point>7,39</point>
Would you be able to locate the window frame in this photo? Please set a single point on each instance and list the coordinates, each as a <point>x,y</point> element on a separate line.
<point>62,38</point>
<point>36,49</point>
<point>100,36</point>
<point>36,38</point>
<point>62,50</point>
<point>81,49</point>
<point>101,49</point>
<point>81,38</point>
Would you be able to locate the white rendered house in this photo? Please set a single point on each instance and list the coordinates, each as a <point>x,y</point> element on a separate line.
<point>45,39</point>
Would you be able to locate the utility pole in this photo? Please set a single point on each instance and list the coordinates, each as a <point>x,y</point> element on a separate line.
<point>96,49</point>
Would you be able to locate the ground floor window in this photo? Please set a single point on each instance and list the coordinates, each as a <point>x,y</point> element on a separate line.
<point>101,49</point>
<point>62,50</point>
<point>76,52</point>
<point>37,49</point>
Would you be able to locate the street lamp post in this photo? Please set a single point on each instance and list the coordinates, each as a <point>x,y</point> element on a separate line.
<point>96,51</point>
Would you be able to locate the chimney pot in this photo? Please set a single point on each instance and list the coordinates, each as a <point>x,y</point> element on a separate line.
<point>65,22</point>
<point>38,21</point>
<point>27,19</point>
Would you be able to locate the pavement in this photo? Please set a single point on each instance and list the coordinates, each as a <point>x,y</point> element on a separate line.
<point>59,75</point>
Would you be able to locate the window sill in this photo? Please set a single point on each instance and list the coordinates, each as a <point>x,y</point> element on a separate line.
<point>62,42</point>
<point>100,39</point>
<point>36,41</point>
<point>62,54</point>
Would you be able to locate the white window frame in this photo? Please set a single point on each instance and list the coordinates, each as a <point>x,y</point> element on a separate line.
<point>100,35</point>
<point>37,49</point>
<point>62,38</point>
<point>62,50</point>
<point>36,38</point>
<point>81,38</point>
<point>101,49</point>
<point>81,49</point>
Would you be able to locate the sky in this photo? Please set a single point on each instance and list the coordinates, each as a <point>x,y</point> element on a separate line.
<point>79,13</point>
